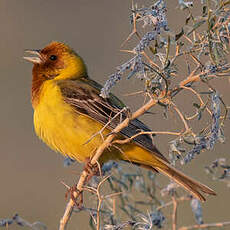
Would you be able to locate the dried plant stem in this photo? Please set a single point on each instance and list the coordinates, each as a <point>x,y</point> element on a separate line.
<point>127,140</point>
<point>202,226</point>
<point>181,116</point>
<point>100,132</point>
<point>199,97</point>
<point>134,31</point>
<point>194,78</point>
<point>174,213</point>
<point>183,198</point>
<point>150,61</point>
<point>100,199</point>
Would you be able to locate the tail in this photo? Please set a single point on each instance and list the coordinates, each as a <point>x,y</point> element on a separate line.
<point>155,161</point>
<point>192,186</point>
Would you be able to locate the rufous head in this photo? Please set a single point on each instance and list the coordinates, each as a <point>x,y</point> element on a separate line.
<point>57,60</point>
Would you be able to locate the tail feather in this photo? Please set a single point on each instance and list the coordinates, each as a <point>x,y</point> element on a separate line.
<point>156,163</point>
<point>192,186</point>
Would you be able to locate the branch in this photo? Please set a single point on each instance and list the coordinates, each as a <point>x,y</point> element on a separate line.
<point>163,98</point>
<point>69,208</point>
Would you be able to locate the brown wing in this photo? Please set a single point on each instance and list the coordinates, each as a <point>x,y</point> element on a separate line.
<point>83,96</point>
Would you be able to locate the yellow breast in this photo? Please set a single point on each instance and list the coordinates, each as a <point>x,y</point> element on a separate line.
<point>61,128</point>
<point>67,132</point>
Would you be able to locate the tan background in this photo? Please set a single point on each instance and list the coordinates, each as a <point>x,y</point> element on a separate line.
<point>30,173</point>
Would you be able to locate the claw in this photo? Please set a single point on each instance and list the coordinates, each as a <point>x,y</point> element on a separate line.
<point>92,170</point>
<point>78,200</point>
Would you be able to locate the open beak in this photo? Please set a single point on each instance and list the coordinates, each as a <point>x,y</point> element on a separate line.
<point>34,59</point>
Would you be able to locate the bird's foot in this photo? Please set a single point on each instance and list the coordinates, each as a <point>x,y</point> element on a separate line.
<point>92,170</point>
<point>128,112</point>
<point>76,196</point>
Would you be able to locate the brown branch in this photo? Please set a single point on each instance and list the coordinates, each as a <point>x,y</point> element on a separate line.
<point>107,142</point>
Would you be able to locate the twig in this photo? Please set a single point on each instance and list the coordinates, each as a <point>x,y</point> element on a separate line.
<point>134,31</point>
<point>100,198</point>
<point>134,93</point>
<point>200,99</point>
<point>174,213</point>
<point>105,126</point>
<point>202,226</point>
<point>183,198</point>
<point>127,140</point>
<point>181,116</point>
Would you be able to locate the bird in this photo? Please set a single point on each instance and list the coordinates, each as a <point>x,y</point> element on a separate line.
<point>69,112</point>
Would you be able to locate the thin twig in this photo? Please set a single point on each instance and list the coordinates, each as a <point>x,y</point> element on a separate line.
<point>127,140</point>
<point>134,31</point>
<point>181,116</point>
<point>174,213</point>
<point>183,198</point>
<point>202,226</point>
<point>100,198</point>
<point>105,126</point>
<point>200,99</point>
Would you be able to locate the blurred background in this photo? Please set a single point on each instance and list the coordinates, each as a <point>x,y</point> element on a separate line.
<point>30,173</point>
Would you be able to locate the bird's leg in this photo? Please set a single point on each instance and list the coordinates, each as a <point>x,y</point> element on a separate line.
<point>91,170</point>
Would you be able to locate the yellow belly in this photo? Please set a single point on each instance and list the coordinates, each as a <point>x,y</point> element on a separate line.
<point>61,128</point>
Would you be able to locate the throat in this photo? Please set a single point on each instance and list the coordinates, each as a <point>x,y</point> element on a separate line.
<point>37,83</point>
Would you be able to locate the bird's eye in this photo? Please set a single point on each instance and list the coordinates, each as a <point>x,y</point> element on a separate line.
<point>53,57</point>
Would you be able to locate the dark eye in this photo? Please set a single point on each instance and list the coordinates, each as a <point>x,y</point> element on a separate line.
<point>53,57</point>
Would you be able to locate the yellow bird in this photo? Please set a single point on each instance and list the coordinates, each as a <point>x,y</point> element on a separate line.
<point>68,111</point>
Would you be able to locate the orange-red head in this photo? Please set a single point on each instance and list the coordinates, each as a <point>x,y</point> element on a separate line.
<point>56,61</point>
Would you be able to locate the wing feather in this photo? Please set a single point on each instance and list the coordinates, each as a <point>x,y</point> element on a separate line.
<point>84,97</point>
